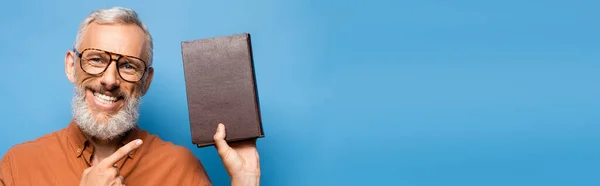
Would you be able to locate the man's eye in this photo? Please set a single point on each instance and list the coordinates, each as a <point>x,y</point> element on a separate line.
<point>95,60</point>
<point>128,66</point>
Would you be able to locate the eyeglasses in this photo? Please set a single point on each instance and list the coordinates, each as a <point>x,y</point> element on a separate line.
<point>96,61</point>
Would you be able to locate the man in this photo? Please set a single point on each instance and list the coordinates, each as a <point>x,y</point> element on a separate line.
<point>111,68</point>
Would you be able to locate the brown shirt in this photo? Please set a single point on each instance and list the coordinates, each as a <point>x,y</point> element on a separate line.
<point>59,158</point>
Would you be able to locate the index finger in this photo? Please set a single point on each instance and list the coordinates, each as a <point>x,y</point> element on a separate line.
<point>120,153</point>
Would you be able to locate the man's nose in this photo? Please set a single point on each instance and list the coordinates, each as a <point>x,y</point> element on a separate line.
<point>110,78</point>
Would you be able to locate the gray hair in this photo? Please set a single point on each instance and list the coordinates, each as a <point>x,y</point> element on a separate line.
<point>116,15</point>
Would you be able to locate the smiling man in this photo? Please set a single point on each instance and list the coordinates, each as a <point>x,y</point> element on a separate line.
<point>110,66</point>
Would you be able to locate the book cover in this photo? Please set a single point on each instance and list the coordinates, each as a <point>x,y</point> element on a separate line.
<point>221,87</point>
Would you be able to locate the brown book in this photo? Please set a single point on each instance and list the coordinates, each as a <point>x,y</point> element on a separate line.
<point>221,88</point>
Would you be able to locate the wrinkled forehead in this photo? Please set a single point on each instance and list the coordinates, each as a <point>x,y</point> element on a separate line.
<point>127,39</point>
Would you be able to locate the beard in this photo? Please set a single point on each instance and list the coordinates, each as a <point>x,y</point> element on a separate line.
<point>114,126</point>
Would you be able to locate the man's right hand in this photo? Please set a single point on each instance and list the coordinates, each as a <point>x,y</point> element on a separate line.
<point>104,173</point>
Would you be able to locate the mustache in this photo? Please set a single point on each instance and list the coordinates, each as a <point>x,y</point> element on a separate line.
<point>116,92</point>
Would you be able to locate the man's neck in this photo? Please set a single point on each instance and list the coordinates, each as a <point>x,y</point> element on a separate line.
<point>103,148</point>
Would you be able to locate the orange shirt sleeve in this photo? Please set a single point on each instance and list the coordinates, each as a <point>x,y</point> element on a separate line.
<point>6,178</point>
<point>191,171</point>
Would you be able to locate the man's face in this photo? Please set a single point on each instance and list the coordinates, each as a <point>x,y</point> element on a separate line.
<point>107,96</point>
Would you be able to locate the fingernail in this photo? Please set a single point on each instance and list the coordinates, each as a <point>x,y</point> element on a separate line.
<point>139,142</point>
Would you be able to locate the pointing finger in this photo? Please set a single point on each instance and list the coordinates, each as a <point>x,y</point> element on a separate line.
<point>120,153</point>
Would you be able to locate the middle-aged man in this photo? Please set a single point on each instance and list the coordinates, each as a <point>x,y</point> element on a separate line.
<point>111,68</point>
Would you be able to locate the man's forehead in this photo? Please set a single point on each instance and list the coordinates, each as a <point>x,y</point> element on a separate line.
<point>125,39</point>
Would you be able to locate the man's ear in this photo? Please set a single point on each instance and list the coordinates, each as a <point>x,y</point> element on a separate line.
<point>70,66</point>
<point>147,81</point>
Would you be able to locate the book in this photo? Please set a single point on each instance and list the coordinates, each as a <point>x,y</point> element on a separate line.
<point>221,87</point>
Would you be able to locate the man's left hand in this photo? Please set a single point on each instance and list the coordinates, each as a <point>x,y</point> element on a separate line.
<point>240,159</point>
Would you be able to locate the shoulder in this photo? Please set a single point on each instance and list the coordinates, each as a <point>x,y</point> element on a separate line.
<point>159,148</point>
<point>182,164</point>
<point>30,154</point>
<point>35,146</point>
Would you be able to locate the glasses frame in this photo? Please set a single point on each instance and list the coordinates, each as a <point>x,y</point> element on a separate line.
<point>110,54</point>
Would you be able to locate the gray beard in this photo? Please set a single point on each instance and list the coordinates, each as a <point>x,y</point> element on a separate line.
<point>116,125</point>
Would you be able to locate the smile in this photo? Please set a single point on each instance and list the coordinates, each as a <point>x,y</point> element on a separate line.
<point>104,98</point>
<point>106,102</point>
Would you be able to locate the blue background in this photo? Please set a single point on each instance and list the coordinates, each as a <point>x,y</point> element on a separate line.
<point>421,93</point>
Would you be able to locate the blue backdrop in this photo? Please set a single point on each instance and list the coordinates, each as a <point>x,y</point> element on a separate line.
<point>419,93</point>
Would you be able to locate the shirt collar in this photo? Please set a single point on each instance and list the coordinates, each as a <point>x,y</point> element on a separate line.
<point>80,142</point>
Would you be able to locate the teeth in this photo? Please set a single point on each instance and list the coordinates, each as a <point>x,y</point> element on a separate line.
<point>104,98</point>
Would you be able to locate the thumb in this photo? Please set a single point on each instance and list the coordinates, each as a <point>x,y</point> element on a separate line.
<point>220,143</point>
